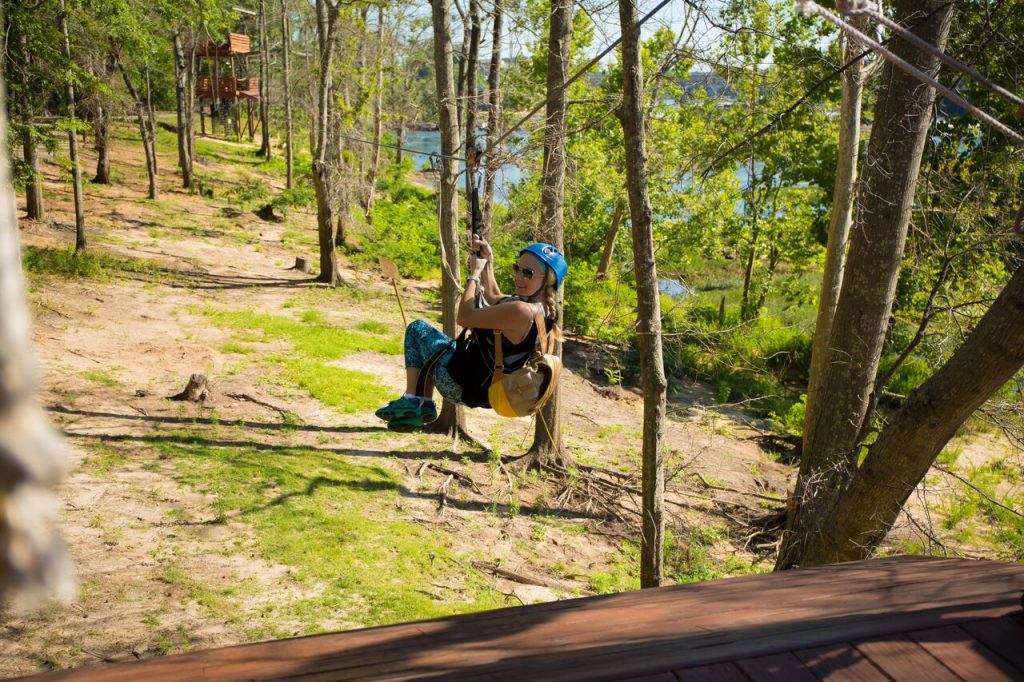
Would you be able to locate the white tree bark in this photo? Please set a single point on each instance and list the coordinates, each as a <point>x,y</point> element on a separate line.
<point>33,563</point>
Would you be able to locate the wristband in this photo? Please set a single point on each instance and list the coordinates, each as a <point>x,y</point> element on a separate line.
<point>473,278</point>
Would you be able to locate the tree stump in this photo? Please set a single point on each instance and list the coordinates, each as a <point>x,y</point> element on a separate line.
<point>302,265</point>
<point>196,391</point>
<point>267,213</point>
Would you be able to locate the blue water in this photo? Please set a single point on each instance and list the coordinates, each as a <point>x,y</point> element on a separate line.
<point>427,142</point>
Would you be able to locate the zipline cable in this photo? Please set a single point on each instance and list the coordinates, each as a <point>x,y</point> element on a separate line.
<point>870,9</point>
<point>353,138</point>
<point>809,7</point>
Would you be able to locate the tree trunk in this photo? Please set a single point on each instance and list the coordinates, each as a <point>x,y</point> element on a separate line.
<point>652,370</point>
<point>378,119</point>
<point>286,38</point>
<point>76,168</point>
<point>151,119</point>
<point>893,157</point>
<point>327,17</point>
<point>493,114</point>
<point>547,438</point>
<point>181,85</point>
<point>147,133</point>
<point>35,209</point>
<point>472,55</point>
<point>101,140</point>
<point>264,83</point>
<point>842,216</point>
<point>401,141</point>
<point>609,242</point>
<point>451,420</point>
<point>898,461</point>
<point>33,562</point>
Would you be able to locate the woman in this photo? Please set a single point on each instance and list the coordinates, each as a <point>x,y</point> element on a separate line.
<point>462,369</point>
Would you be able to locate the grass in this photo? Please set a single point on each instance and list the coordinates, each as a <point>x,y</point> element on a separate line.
<point>316,345</point>
<point>104,377</point>
<point>67,264</point>
<point>334,522</point>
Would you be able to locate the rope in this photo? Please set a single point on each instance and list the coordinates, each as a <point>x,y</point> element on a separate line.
<point>809,7</point>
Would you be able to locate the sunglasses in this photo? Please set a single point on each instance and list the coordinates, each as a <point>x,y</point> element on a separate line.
<point>528,273</point>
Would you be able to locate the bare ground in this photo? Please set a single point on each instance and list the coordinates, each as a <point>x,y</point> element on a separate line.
<point>128,524</point>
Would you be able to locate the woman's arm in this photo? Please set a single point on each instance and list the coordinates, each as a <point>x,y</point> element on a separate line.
<point>492,293</point>
<point>511,318</point>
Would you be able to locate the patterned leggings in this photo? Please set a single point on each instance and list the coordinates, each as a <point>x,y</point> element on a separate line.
<point>421,342</point>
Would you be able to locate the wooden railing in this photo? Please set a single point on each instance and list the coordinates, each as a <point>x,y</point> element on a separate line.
<point>228,87</point>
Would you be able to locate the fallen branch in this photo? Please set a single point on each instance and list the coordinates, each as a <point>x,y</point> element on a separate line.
<point>770,498</point>
<point>285,414</point>
<point>516,577</point>
<point>442,494</point>
<point>451,473</point>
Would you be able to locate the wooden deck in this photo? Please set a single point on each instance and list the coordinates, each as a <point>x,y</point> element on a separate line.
<point>886,619</point>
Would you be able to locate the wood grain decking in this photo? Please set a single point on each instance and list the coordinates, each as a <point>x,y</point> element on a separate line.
<point>886,619</point>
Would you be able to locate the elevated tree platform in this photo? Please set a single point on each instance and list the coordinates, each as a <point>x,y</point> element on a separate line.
<point>237,44</point>
<point>905,618</point>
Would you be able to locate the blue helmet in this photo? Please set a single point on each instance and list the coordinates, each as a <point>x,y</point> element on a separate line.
<point>551,257</point>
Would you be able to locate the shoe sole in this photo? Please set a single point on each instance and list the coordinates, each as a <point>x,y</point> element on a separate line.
<point>403,428</point>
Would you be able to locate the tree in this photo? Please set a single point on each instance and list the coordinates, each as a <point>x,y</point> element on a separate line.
<point>183,42</point>
<point>833,440</point>
<point>652,369</point>
<point>286,39</point>
<point>72,125</point>
<point>547,438</point>
<point>146,127</point>
<point>327,34</point>
<point>264,81</point>
<point>493,112</point>
<point>451,419</point>
<point>378,116</point>
<point>32,62</point>
<point>33,562</point>
<point>915,435</point>
<point>842,213</point>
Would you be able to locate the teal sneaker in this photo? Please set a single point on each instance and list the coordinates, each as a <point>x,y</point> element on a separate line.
<point>407,408</point>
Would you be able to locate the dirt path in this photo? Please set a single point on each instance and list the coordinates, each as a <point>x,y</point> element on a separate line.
<point>148,548</point>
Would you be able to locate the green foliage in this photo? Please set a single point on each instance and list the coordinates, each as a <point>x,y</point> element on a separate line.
<point>791,420</point>
<point>404,230</point>
<point>90,264</point>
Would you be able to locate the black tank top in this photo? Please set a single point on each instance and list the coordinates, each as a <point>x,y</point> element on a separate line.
<point>472,364</point>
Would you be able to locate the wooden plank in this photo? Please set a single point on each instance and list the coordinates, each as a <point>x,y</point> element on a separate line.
<point>902,659</point>
<point>719,672</point>
<point>964,655</point>
<point>655,630</point>
<point>1005,636</point>
<point>840,663</point>
<point>776,668</point>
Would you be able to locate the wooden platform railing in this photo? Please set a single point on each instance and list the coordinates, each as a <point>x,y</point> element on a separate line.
<point>228,87</point>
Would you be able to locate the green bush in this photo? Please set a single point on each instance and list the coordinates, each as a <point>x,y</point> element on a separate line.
<point>908,377</point>
<point>405,231</point>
